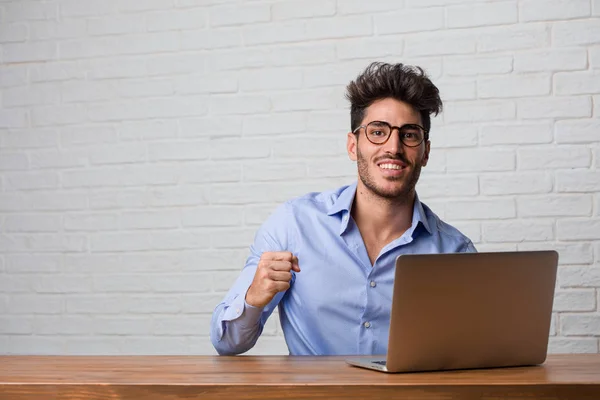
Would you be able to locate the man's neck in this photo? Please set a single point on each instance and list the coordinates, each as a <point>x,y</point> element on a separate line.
<point>381,219</point>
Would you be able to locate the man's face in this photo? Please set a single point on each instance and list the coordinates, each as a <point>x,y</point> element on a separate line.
<point>390,170</point>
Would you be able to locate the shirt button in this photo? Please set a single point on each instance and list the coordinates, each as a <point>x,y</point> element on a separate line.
<point>367,324</point>
<point>237,310</point>
<point>373,284</point>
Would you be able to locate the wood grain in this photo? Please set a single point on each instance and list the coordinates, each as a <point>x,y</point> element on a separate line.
<point>271,377</point>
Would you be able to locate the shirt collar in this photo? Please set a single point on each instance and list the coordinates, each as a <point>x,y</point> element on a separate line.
<point>346,198</point>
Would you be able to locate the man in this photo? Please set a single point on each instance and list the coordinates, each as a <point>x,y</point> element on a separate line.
<point>327,259</point>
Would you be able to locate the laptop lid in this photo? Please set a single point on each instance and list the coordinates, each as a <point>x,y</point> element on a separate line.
<point>471,310</point>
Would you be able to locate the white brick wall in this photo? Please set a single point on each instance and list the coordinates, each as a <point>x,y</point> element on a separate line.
<point>142,143</point>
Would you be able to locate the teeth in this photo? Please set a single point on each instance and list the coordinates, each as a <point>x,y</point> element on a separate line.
<point>390,166</point>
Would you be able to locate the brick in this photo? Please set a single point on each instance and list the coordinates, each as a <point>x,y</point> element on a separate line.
<point>368,48</point>
<point>29,11</point>
<point>596,106</point>
<point>338,27</point>
<point>35,304</point>
<point>75,92</point>
<point>31,180</point>
<point>96,345</point>
<point>432,44</point>
<point>211,39</point>
<point>172,345</point>
<point>34,345</point>
<point>577,131</point>
<point>448,136</point>
<point>156,240</point>
<point>32,223</point>
<point>254,193</point>
<point>13,202</point>
<point>578,229</point>
<point>125,325</point>
<point>62,283</point>
<point>144,5</point>
<point>516,133</point>
<point>155,197</point>
<point>37,94</point>
<point>580,324</point>
<point>121,283</point>
<point>177,20</point>
<point>148,130</point>
<point>573,83</point>
<point>305,147</point>
<point>432,3</point>
<point>207,83</point>
<point>13,118</point>
<point>198,303</point>
<point>457,89</point>
<point>313,99</point>
<point>212,217</point>
<point>241,59</point>
<point>231,239</point>
<point>481,209</point>
<point>477,65</point>
<point>57,159</point>
<point>24,263</point>
<point>275,32</point>
<point>594,57</point>
<point>239,104</point>
<point>360,7</point>
<point>154,304</point>
<point>510,39</point>
<point>181,325</point>
<point>260,171</point>
<point>86,8</point>
<point>596,8</point>
<point>13,161</point>
<point>16,283</point>
<point>578,181</point>
<point>117,154</point>
<point>128,175</point>
<point>94,304</point>
<point>555,59</point>
<point>274,124</point>
<point>553,158</point>
<point>480,160</point>
<point>486,14</point>
<point>149,108</point>
<point>327,168</point>
<point>226,149</point>
<point>13,75</point>
<point>554,206</point>
<point>238,15</point>
<point>13,32</point>
<point>211,172</point>
<point>480,110</point>
<point>303,9</point>
<point>554,107</point>
<point>543,10</point>
<point>29,139</point>
<point>117,24</point>
<point>84,135</point>
<point>178,151</point>
<point>16,325</point>
<point>579,276</point>
<point>514,86</point>
<point>271,79</point>
<point>518,231</point>
<point>431,186</point>
<point>62,114</point>
<point>561,345</point>
<point>515,183</point>
<point>569,253</point>
<point>257,214</point>
<point>573,33</point>
<point>55,30</point>
<point>174,64</point>
<point>214,260</point>
<point>58,201</point>
<point>575,300</point>
<point>410,21</point>
<point>91,222</point>
<point>149,219</point>
<point>218,127</point>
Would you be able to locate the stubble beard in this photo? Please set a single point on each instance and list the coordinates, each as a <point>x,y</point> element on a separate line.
<point>400,193</point>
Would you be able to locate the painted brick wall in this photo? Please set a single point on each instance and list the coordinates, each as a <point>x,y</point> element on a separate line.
<point>143,141</point>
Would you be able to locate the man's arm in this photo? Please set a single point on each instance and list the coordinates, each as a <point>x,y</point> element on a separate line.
<point>238,320</point>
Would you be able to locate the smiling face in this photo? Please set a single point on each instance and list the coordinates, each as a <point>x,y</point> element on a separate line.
<point>390,170</point>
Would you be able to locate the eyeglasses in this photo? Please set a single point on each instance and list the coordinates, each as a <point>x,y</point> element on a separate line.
<point>379,132</point>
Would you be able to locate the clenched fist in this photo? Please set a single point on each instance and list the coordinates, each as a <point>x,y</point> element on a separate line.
<point>273,275</point>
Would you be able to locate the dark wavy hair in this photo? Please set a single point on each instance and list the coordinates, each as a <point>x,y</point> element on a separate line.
<point>405,83</point>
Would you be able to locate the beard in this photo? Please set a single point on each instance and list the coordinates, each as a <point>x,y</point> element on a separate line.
<point>400,192</point>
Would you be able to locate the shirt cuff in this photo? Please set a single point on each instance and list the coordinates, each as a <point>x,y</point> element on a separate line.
<point>242,312</point>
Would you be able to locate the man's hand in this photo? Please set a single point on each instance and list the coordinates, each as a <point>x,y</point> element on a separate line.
<point>273,275</point>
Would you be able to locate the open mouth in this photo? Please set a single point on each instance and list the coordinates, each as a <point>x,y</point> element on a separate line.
<point>392,166</point>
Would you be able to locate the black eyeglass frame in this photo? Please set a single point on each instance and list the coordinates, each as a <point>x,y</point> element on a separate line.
<point>425,132</point>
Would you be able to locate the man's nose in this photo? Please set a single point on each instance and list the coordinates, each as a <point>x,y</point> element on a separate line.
<point>394,145</point>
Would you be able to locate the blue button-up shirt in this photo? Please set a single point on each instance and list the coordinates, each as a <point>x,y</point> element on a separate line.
<point>339,304</point>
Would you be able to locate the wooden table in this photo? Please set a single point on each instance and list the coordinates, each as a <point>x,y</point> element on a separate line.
<point>270,377</point>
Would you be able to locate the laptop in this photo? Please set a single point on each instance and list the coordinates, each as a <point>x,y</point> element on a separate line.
<point>468,310</point>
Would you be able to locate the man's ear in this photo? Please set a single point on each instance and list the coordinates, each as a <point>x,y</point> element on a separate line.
<point>351,144</point>
<point>425,158</point>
